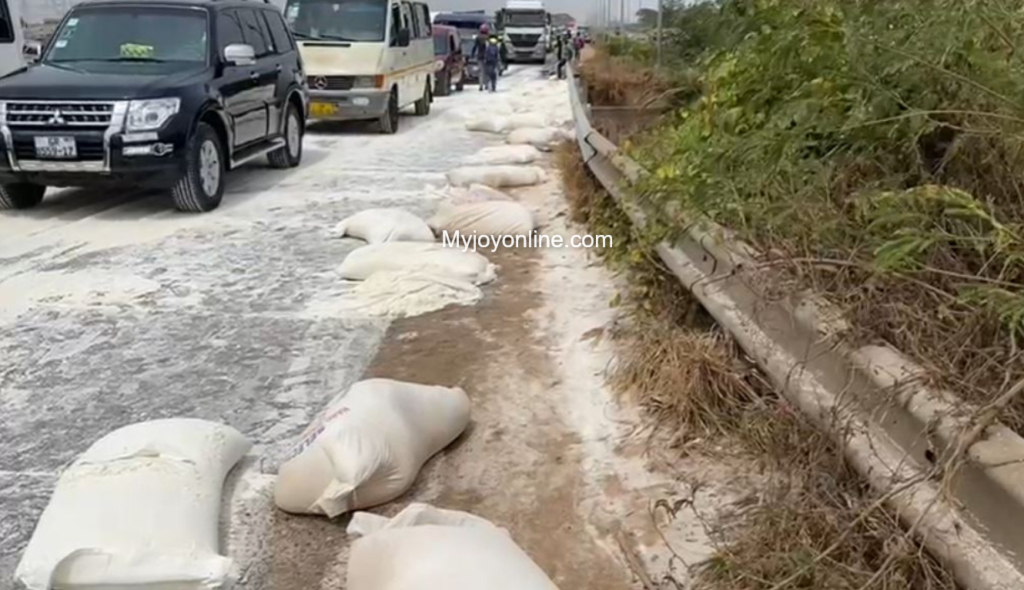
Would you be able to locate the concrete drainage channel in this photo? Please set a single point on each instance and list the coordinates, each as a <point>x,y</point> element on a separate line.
<point>896,432</point>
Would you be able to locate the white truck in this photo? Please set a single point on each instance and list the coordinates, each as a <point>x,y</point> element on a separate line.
<point>526,27</point>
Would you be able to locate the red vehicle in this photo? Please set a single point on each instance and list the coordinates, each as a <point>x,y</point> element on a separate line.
<point>451,63</point>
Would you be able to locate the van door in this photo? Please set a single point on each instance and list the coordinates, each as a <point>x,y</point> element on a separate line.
<point>407,93</point>
<point>393,53</point>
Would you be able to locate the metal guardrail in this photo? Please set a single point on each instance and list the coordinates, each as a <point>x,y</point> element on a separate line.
<point>870,397</point>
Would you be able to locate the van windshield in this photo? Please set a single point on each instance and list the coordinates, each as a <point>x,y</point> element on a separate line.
<point>132,34</point>
<point>338,20</point>
<point>525,18</point>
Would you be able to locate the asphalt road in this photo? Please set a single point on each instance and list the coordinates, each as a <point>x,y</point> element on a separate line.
<point>115,308</point>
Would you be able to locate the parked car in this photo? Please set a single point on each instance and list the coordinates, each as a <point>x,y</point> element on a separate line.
<point>367,59</point>
<point>448,52</point>
<point>171,94</point>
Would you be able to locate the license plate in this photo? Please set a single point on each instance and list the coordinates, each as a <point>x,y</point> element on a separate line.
<point>323,109</point>
<point>56,148</point>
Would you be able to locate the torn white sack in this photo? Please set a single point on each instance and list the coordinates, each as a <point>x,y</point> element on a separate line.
<point>504,123</point>
<point>376,226</point>
<point>497,176</point>
<point>505,154</point>
<point>494,218</point>
<point>407,294</point>
<point>139,509</point>
<point>434,259</point>
<point>369,445</point>
<point>424,548</point>
<point>541,138</point>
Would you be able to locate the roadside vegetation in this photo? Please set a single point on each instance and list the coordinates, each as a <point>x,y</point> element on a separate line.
<point>872,151</point>
<point>814,524</point>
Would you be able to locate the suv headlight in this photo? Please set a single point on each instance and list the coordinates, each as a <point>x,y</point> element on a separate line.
<point>364,82</point>
<point>150,115</point>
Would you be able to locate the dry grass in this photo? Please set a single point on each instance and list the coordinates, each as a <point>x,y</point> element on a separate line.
<point>688,381</point>
<point>813,525</point>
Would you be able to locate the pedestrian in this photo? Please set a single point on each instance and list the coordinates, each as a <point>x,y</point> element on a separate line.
<point>561,52</point>
<point>579,43</point>
<point>480,52</point>
<point>492,61</point>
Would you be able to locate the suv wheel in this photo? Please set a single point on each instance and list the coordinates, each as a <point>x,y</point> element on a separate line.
<point>423,104</point>
<point>202,186</point>
<point>388,122</point>
<point>21,195</point>
<point>290,155</point>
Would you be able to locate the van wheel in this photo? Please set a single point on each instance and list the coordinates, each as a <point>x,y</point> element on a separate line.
<point>290,155</point>
<point>423,104</point>
<point>202,186</point>
<point>388,122</point>
<point>21,195</point>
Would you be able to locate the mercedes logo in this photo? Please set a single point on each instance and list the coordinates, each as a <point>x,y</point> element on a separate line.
<point>56,119</point>
<point>320,82</point>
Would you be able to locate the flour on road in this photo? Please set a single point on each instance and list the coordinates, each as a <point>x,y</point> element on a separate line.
<point>115,309</point>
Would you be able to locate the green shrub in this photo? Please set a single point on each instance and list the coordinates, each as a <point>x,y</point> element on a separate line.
<point>879,142</point>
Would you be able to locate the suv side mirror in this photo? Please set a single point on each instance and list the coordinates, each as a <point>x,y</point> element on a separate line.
<point>239,54</point>
<point>32,51</point>
<point>404,38</point>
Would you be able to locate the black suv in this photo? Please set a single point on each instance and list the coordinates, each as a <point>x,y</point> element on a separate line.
<point>157,93</point>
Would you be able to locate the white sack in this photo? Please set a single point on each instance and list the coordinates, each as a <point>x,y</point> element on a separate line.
<point>385,225</point>
<point>497,176</point>
<point>505,154</point>
<point>424,548</point>
<point>407,293</point>
<point>434,259</point>
<point>475,193</point>
<point>369,445</point>
<point>139,509</point>
<point>490,218</point>
<point>543,138</point>
<point>503,124</point>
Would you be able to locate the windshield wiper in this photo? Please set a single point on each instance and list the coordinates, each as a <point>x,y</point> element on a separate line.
<point>324,38</point>
<point>108,59</point>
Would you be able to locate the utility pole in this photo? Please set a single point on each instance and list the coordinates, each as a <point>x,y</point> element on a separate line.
<point>661,24</point>
<point>622,14</point>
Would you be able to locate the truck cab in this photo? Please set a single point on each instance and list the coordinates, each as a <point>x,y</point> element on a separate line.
<point>526,28</point>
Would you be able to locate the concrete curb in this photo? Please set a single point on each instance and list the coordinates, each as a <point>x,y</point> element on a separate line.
<point>871,398</point>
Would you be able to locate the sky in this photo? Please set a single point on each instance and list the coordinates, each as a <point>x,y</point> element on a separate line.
<point>583,10</point>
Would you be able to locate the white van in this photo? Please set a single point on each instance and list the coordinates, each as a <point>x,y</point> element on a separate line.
<point>12,39</point>
<point>365,59</point>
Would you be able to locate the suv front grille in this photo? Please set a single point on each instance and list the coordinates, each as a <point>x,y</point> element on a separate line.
<point>57,115</point>
<point>331,82</point>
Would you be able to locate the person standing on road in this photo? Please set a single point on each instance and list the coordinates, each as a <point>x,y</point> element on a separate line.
<point>480,52</point>
<point>492,61</point>
<point>561,52</point>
